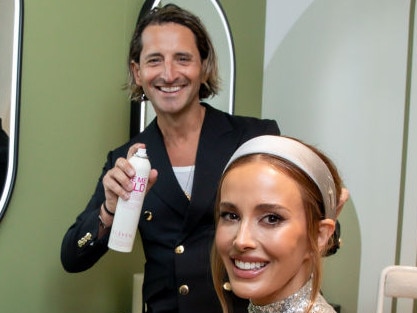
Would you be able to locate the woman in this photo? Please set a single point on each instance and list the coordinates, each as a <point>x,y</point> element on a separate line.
<point>275,215</point>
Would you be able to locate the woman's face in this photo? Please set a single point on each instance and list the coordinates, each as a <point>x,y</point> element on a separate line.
<point>262,233</point>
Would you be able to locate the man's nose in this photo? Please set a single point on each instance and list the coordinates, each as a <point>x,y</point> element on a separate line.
<point>168,71</point>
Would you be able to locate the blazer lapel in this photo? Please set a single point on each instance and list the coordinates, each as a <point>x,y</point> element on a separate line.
<point>218,140</point>
<point>166,187</point>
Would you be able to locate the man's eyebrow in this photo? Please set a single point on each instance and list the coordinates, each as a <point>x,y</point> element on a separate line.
<point>152,55</point>
<point>187,54</point>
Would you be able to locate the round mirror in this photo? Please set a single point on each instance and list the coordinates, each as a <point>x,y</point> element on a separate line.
<point>10,59</point>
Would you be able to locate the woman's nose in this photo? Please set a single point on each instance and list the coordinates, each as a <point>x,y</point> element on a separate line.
<point>244,238</point>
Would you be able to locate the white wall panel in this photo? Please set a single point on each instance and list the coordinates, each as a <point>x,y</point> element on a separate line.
<point>337,78</point>
<point>409,223</point>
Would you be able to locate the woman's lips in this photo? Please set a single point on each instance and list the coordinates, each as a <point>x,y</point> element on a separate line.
<point>249,265</point>
<point>248,269</point>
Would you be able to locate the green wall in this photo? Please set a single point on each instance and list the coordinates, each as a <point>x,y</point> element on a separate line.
<point>247,21</point>
<point>73,110</point>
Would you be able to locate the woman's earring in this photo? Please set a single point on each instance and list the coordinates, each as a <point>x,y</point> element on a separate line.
<point>227,286</point>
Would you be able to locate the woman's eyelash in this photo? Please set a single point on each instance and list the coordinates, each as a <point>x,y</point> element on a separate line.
<point>228,215</point>
<point>273,218</point>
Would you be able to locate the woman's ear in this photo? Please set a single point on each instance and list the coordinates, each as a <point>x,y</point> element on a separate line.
<point>326,229</point>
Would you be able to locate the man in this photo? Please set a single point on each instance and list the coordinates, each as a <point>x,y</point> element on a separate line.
<point>173,64</point>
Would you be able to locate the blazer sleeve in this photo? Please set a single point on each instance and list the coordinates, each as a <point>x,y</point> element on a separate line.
<point>80,248</point>
<point>271,127</point>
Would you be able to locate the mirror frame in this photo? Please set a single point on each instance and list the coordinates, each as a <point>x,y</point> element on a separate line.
<point>14,106</point>
<point>138,109</point>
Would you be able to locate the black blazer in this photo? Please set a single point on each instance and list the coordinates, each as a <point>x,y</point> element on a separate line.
<point>176,234</point>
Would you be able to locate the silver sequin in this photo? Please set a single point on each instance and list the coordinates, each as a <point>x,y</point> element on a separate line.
<point>296,303</point>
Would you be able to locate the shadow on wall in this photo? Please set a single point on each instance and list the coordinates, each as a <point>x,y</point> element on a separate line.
<point>344,291</point>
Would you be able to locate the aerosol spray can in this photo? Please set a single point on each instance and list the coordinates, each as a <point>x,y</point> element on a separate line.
<point>126,218</point>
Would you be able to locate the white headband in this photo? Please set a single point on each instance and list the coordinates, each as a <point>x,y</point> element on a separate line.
<point>300,155</point>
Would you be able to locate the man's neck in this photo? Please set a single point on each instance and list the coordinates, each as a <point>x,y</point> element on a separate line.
<point>181,135</point>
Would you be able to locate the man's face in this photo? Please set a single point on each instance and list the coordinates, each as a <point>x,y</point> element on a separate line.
<point>170,67</point>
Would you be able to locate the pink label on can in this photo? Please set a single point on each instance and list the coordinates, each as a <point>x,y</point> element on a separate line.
<point>139,183</point>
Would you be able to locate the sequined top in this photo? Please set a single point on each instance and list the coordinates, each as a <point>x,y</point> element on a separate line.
<point>296,303</point>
